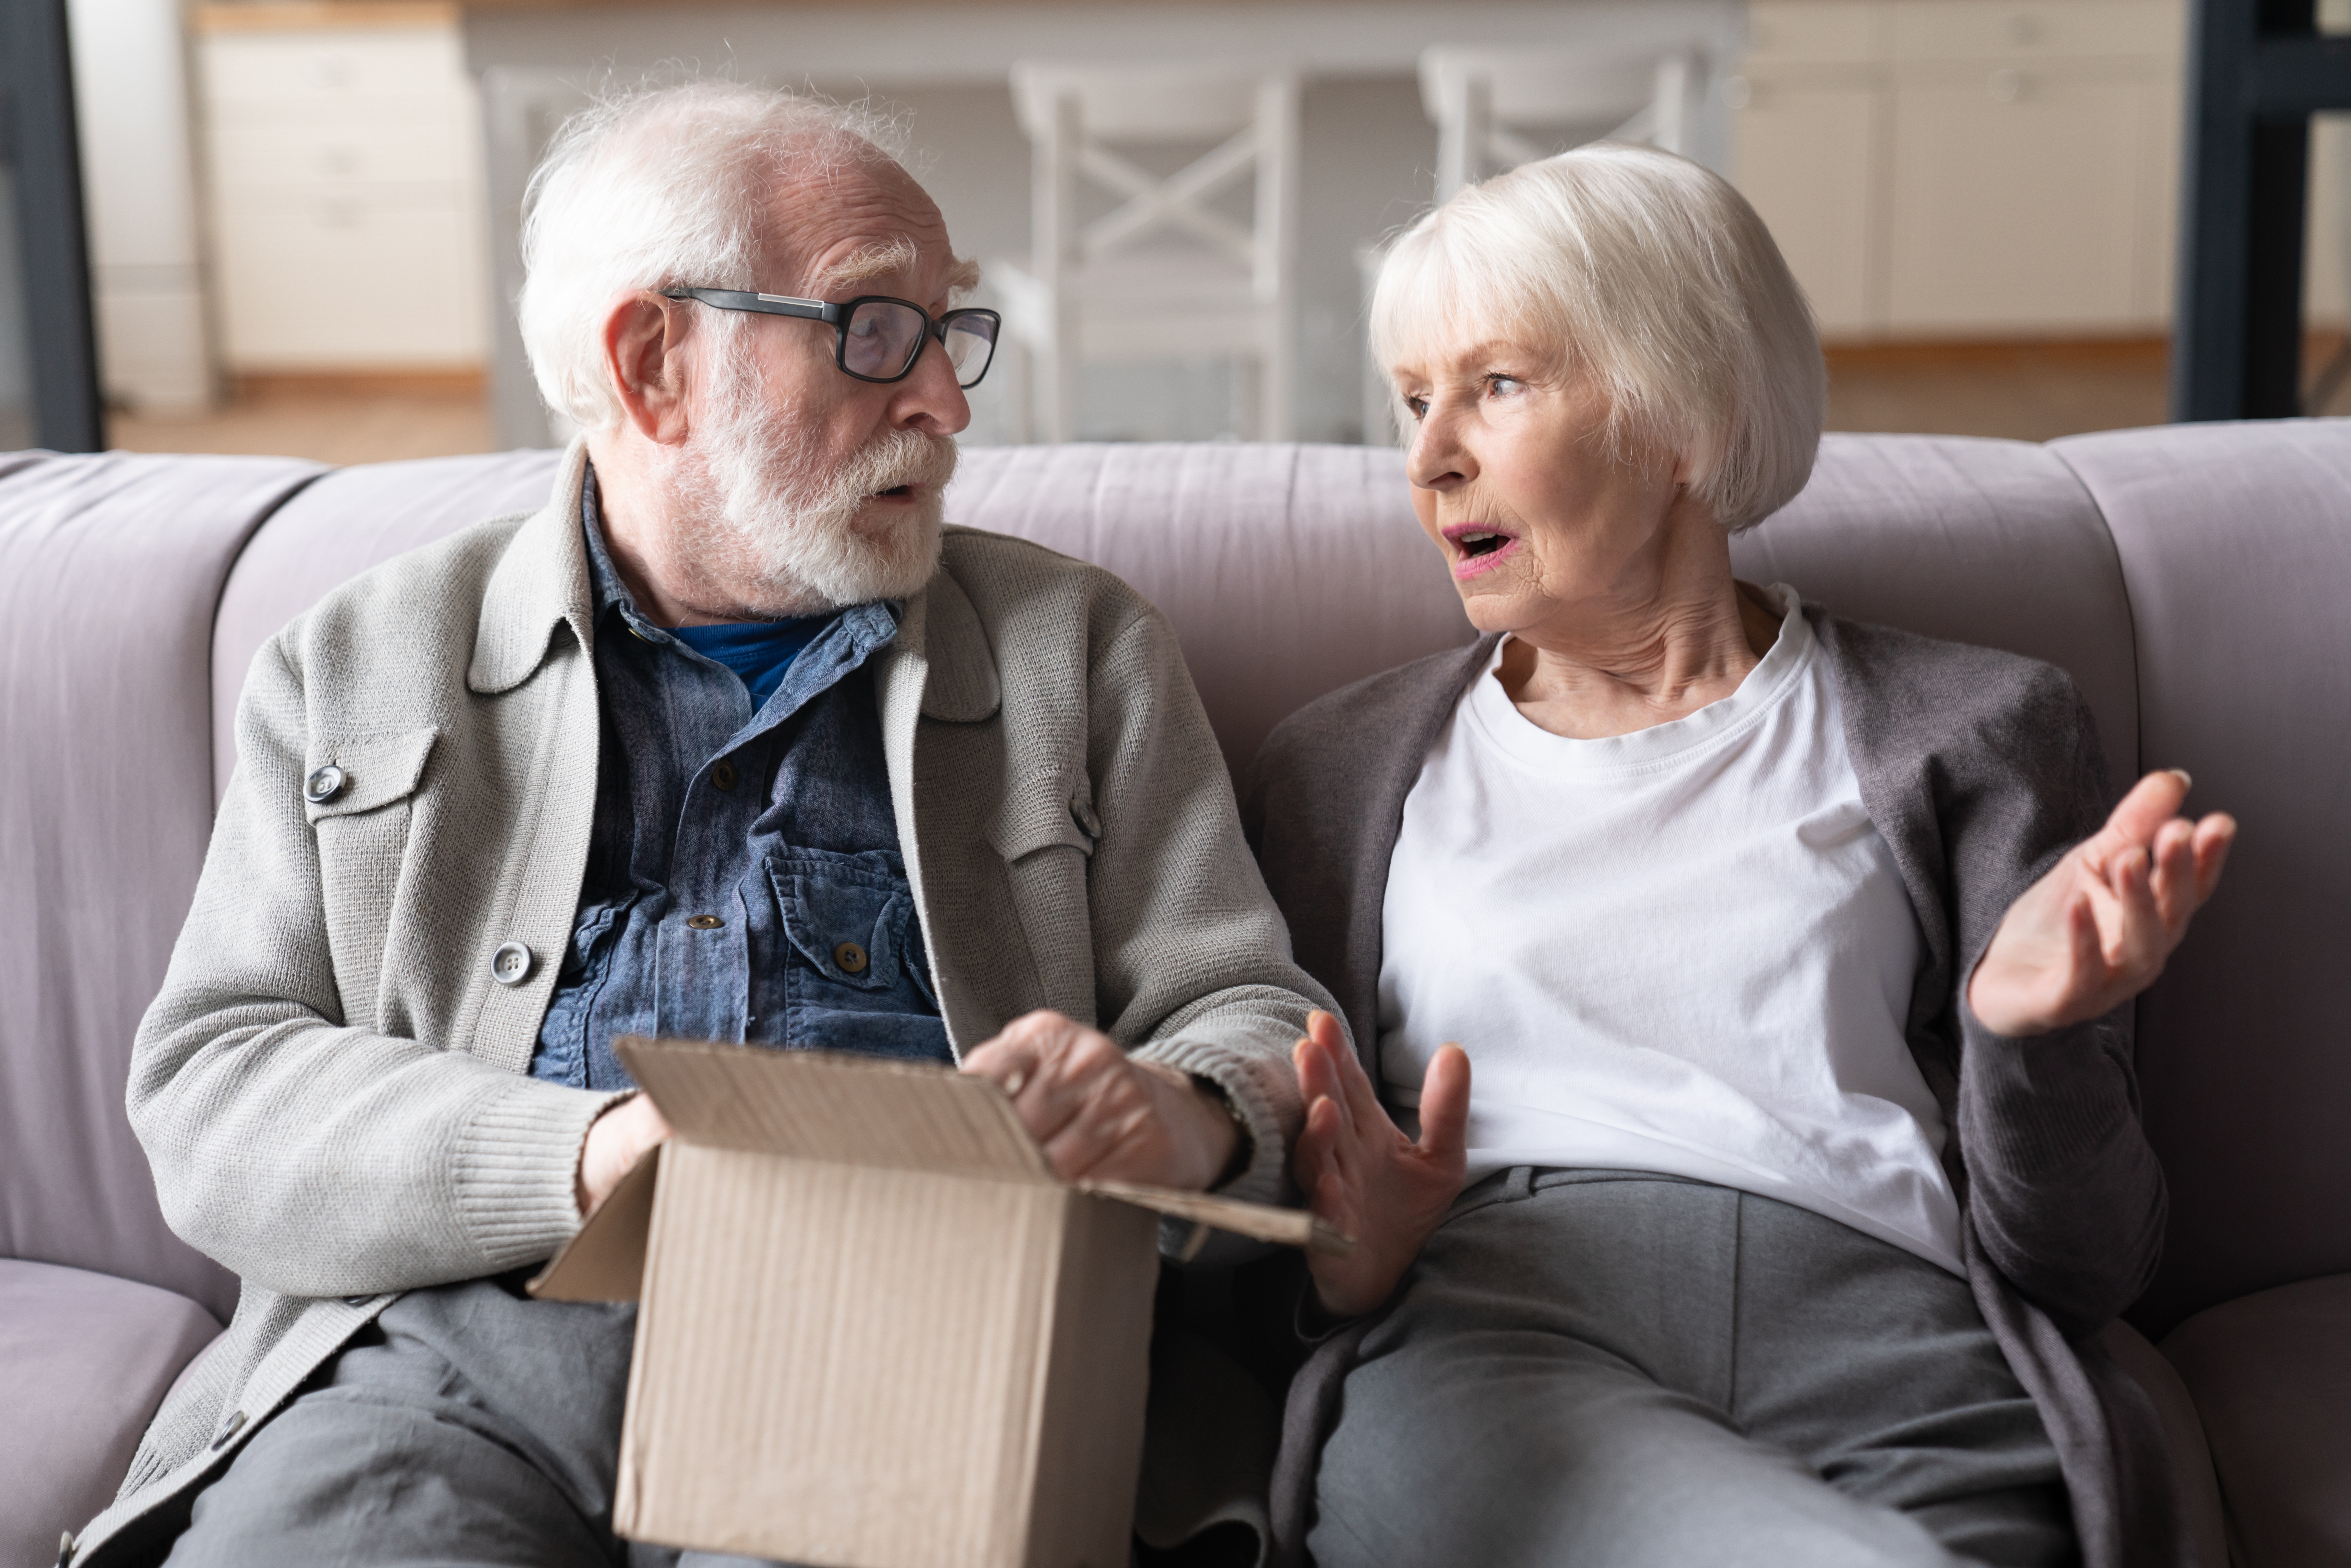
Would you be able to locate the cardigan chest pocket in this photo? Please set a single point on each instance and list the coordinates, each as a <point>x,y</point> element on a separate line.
<point>357,795</point>
<point>1047,834</point>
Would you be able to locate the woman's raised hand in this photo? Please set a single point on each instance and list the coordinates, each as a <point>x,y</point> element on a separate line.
<point>2095,931</point>
<point>1362,1176</point>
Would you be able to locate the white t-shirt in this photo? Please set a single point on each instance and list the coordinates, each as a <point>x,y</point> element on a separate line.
<point>1684,950</point>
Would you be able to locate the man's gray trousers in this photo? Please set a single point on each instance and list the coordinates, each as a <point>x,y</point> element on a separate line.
<point>1607,1369</point>
<point>470,1426</point>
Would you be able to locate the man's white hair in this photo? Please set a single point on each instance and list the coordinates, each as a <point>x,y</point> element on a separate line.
<point>666,187</point>
<point>1653,277</point>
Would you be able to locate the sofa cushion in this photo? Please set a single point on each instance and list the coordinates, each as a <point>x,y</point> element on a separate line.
<point>114,565</point>
<point>87,1358</point>
<point>2271,1378</point>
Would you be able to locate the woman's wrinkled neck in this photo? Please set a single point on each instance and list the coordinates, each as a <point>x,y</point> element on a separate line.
<point>1672,632</point>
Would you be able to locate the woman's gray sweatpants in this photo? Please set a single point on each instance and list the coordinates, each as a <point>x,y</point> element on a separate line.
<point>1608,1369</point>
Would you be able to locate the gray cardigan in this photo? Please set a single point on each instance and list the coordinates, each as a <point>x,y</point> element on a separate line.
<point>1980,769</point>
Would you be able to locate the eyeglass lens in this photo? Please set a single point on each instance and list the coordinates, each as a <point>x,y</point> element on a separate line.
<point>970,342</point>
<point>885,336</point>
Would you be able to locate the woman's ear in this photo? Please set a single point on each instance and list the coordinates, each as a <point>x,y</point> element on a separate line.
<point>645,359</point>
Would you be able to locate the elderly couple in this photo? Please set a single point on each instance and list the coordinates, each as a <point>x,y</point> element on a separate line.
<point>1793,956</point>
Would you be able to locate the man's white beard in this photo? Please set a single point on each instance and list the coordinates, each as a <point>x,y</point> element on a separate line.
<point>765,505</point>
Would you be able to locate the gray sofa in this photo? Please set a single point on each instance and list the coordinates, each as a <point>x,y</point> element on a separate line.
<point>2196,582</point>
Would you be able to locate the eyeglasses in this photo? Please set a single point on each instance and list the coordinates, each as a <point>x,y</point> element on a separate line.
<point>876,337</point>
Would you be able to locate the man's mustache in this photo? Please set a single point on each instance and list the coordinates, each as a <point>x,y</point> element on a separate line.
<point>903,459</point>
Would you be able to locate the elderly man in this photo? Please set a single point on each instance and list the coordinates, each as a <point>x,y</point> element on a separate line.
<point>729,741</point>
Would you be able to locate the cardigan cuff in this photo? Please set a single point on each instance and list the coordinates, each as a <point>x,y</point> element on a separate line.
<point>517,1162</point>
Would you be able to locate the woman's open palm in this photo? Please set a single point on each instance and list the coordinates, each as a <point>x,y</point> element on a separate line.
<point>2095,931</point>
<point>1362,1176</point>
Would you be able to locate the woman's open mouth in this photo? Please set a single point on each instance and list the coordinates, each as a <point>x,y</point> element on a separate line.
<point>1479,548</point>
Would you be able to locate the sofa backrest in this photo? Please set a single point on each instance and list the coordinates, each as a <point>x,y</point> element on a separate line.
<point>109,570</point>
<point>2235,542</point>
<point>1289,570</point>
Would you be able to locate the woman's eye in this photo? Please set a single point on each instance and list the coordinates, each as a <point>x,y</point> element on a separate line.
<point>1505,386</point>
<point>1417,407</point>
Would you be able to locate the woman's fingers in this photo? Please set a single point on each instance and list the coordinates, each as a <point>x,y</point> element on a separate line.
<point>2214,835</point>
<point>1444,1103</point>
<point>2138,816</point>
<point>2142,941</point>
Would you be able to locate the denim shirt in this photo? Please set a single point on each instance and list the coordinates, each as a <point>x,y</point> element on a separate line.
<point>744,880</point>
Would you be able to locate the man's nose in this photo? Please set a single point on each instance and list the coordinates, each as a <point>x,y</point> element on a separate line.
<point>929,399</point>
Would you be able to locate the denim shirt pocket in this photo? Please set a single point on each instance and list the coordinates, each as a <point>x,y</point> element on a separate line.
<point>847,916</point>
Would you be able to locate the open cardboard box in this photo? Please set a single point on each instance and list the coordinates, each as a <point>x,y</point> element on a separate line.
<point>874,1330</point>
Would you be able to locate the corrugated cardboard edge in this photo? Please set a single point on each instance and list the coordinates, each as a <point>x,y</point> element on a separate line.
<point>1258,1221</point>
<point>605,1258</point>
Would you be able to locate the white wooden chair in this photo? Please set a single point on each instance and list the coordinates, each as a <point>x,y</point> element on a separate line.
<point>1482,98</point>
<point>1115,288</point>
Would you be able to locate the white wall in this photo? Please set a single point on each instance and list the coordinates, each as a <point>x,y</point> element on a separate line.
<point>130,86</point>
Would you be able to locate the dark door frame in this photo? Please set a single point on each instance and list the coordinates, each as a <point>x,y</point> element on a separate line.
<point>37,140</point>
<point>2258,69</point>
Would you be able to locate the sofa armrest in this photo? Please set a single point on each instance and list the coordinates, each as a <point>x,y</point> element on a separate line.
<point>2271,1375</point>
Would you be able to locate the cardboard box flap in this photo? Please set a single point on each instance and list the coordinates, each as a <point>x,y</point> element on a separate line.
<point>1260,1222</point>
<point>823,1105</point>
<point>605,1258</point>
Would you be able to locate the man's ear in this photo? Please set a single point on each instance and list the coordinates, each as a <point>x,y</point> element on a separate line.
<point>645,339</point>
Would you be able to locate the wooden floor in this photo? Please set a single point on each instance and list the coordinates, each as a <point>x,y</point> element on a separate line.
<point>2027,391</point>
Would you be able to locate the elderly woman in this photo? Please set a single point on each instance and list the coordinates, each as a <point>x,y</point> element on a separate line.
<point>1803,1153</point>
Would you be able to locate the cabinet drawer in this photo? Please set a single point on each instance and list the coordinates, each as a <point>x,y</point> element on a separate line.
<point>244,157</point>
<point>1930,30</point>
<point>1814,32</point>
<point>384,278</point>
<point>332,70</point>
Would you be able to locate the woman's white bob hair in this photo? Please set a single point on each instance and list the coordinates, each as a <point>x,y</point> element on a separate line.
<point>1651,275</point>
<point>665,187</point>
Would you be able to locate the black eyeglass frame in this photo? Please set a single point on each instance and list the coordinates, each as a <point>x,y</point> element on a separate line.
<point>837,317</point>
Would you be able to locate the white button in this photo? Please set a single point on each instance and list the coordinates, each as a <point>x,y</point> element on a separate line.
<point>323,785</point>
<point>511,965</point>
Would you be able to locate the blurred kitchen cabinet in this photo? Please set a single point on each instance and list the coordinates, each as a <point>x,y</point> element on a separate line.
<point>343,156</point>
<point>1944,168</point>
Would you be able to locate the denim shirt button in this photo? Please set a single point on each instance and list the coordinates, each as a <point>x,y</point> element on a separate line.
<point>705,922</point>
<point>851,957</point>
<point>722,775</point>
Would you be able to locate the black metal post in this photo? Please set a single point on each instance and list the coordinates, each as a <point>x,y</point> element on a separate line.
<point>37,140</point>
<point>2257,71</point>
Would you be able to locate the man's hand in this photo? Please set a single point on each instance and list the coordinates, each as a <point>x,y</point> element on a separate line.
<point>616,1140</point>
<point>2095,931</point>
<point>1099,1113</point>
<point>1362,1176</point>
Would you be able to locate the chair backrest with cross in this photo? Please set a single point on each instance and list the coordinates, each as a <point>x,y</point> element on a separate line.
<point>1479,96</point>
<point>1168,272</point>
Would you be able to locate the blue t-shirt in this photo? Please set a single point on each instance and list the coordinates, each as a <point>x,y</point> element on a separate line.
<point>758,652</point>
